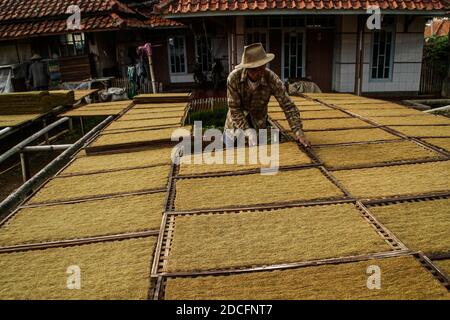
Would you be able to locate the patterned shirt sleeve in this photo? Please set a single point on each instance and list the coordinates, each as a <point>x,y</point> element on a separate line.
<point>286,103</point>
<point>234,103</point>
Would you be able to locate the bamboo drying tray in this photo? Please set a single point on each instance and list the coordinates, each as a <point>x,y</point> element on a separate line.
<point>388,113</point>
<point>119,161</point>
<point>285,186</point>
<point>234,240</point>
<point>289,155</point>
<point>422,226</point>
<point>91,185</point>
<point>135,138</point>
<point>152,115</point>
<point>443,143</point>
<point>444,265</point>
<point>348,136</point>
<point>84,219</point>
<point>424,131</point>
<point>141,124</point>
<point>396,180</point>
<point>325,124</point>
<point>411,120</point>
<point>365,154</point>
<point>12,120</point>
<point>403,278</point>
<point>109,270</point>
<point>80,94</point>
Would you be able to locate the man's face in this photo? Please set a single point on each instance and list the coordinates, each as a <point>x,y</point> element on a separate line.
<point>256,74</point>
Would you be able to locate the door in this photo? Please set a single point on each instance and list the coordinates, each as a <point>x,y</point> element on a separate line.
<point>319,57</point>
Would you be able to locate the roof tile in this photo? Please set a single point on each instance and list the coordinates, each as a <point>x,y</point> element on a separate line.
<point>192,6</point>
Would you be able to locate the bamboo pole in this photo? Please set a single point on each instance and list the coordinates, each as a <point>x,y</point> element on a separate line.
<point>15,198</point>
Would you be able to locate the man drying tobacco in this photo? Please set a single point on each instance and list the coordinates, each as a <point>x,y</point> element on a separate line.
<point>249,88</point>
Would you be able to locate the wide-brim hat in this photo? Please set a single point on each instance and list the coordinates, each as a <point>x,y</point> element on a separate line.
<point>255,56</point>
<point>36,57</point>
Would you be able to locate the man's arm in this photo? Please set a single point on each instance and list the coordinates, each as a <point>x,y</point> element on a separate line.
<point>286,103</point>
<point>234,104</point>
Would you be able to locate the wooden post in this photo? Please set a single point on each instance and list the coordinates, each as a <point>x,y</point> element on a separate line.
<point>25,164</point>
<point>152,73</point>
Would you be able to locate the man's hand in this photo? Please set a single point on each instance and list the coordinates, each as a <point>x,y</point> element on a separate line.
<point>304,141</point>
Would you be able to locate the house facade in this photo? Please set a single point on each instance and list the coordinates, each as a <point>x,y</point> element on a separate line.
<point>103,45</point>
<point>327,41</point>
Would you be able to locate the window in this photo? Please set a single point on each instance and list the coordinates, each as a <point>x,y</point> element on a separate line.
<point>293,55</point>
<point>204,56</point>
<point>177,54</point>
<point>73,44</point>
<point>382,51</point>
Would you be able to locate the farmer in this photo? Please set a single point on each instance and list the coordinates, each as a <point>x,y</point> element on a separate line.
<point>38,76</point>
<point>249,88</point>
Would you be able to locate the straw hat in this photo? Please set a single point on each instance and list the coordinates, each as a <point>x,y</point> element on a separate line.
<point>255,56</point>
<point>36,57</point>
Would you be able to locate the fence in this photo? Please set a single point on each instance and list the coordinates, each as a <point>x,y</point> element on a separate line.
<point>208,104</point>
<point>430,79</point>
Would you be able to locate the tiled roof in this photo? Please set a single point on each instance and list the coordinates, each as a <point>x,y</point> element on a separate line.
<point>59,26</point>
<point>437,27</point>
<point>35,9</point>
<point>156,20</point>
<point>209,6</point>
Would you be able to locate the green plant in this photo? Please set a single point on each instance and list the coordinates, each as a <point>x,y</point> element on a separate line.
<point>210,119</point>
<point>436,51</point>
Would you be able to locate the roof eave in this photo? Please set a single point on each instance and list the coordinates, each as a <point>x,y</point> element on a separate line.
<point>228,13</point>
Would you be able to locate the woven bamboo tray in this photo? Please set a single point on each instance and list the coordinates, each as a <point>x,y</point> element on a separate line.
<point>423,131</point>
<point>311,114</point>
<point>252,189</point>
<point>117,215</point>
<point>133,139</point>
<point>110,270</point>
<point>91,185</point>
<point>325,124</point>
<point>411,120</point>
<point>388,113</point>
<point>442,143</point>
<point>421,226</point>
<point>119,161</point>
<point>348,136</point>
<point>403,278</point>
<point>289,155</point>
<point>444,265</point>
<point>80,94</point>
<point>396,180</point>
<point>12,120</point>
<point>366,154</point>
<point>151,115</point>
<point>255,238</point>
<point>25,102</point>
<point>368,106</point>
<point>141,124</point>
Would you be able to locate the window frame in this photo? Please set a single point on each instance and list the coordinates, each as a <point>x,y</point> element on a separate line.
<point>388,28</point>
<point>184,54</point>
<point>209,54</point>
<point>289,30</point>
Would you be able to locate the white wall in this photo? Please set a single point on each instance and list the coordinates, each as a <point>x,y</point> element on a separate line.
<point>408,48</point>
<point>345,55</point>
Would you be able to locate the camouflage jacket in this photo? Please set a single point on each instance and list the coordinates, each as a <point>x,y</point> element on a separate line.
<point>245,106</point>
